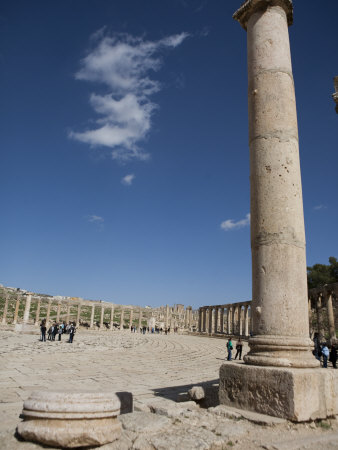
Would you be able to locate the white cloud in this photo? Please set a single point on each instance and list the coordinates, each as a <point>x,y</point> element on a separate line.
<point>231,225</point>
<point>128,179</point>
<point>319,207</point>
<point>122,63</point>
<point>95,219</point>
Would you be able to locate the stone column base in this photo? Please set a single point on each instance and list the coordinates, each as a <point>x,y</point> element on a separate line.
<point>294,394</point>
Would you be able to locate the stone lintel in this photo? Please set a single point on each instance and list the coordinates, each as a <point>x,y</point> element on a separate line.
<point>242,15</point>
<point>294,394</point>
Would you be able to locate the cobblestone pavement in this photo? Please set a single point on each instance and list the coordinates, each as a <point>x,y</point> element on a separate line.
<point>154,368</point>
<point>119,361</point>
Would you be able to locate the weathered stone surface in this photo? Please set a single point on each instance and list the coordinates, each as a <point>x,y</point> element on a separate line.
<point>235,413</point>
<point>144,422</point>
<point>71,433</point>
<point>196,393</point>
<point>295,394</point>
<point>71,419</point>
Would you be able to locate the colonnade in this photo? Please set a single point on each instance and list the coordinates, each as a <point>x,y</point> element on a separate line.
<point>234,319</point>
<point>19,307</point>
<point>323,310</point>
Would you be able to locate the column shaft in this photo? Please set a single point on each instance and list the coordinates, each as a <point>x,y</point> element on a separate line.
<point>37,315</point>
<point>27,309</point>
<point>4,316</point>
<point>102,317</point>
<point>112,318</point>
<point>279,298</point>
<point>332,330</point>
<point>92,317</point>
<point>48,311</point>
<point>16,312</point>
<point>122,319</point>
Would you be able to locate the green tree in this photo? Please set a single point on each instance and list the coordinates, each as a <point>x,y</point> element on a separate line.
<point>320,274</point>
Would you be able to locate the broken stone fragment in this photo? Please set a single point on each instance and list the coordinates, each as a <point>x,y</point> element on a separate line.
<point>196,393</point>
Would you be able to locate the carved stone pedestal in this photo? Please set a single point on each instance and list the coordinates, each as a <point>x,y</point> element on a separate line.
<point>294,394</point>
<point>71,419</point>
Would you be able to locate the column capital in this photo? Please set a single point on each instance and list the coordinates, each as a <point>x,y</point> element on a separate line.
<point>249,7</point>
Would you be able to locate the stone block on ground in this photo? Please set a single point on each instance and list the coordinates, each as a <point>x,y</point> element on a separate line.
<point>294,394</point>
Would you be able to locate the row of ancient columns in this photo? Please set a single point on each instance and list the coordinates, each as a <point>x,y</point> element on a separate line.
<point>183,319</point>
<point>28,302</point>
<point>319,300</point>
<point>225,319</point>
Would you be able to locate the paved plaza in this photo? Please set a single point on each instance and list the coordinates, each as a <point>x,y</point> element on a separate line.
<point>155,368</point>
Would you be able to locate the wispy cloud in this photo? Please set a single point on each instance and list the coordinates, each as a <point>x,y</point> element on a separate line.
<point>122,63</point>
<point>319,207</point>
<point>128,179</point>
<point>231,225</point>
<point>96,219</point>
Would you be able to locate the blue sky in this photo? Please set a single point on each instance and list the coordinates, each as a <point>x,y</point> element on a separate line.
<point>124,149</point>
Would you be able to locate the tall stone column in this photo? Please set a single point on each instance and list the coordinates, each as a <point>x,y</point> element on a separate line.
<point>233,319</point>
<point>78,314</point>
<point>92,317</point>
<point>279,291</point>
<point>112,318</point>
<point>210,320</point>
<point>200,318</point>
<point>122,319</point>
<point>320,327</point>
<point>140,320</point>
<point>222,320</point>
<point>167,317</point>
<point>228,319</point>
<point>332,330</point>
<point>37,315</point>
<point>204,320</point>
<point>48,311</point>
<point>16,312</point>
<point>246,320</point>
<point>58,313</point>
<point>131,318</point>
<point>240,321</point>
<point>27,309</point>
<point>68,313</point>
<point>280,369</point>
<point>102,317</point>
<point>4,316</point>
<point>216,319</point>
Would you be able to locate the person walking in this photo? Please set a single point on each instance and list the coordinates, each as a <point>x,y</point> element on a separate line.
<point>239,348</point>
<point>71,333</point>
<point>229,348</point>
<point>333,356</point>
<point>325,353</point>
<point>60,332</point>
<point>43,329</point>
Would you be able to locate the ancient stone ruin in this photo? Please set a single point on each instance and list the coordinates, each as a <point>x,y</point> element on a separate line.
<point>281,377</point>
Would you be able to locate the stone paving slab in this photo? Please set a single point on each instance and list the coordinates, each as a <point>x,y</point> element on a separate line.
<point>156,369</point>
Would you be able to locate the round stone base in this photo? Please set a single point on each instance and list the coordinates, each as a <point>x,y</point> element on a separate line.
<point>71,419</point>
<point>71,433</point>
<point>281,351</point>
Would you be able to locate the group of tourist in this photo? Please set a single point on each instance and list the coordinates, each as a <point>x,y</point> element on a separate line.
<point>156,330</point>
<point>324,352</point>
<point>239,349</point>
<point>58,329</point>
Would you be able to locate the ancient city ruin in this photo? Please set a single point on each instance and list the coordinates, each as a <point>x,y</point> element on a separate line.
<point>199,400</point>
